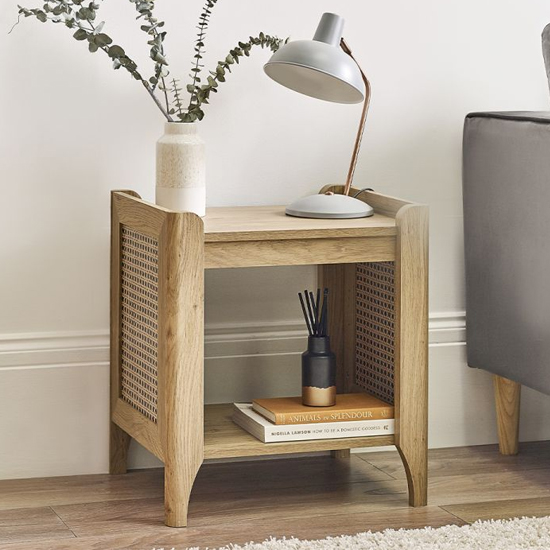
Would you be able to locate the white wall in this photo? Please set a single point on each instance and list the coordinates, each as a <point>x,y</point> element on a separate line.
<point>72,129</point>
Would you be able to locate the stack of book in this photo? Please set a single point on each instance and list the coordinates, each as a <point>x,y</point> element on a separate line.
<point>286,419</point>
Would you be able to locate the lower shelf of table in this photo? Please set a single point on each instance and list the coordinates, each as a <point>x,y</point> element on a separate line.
<point>224,439</point>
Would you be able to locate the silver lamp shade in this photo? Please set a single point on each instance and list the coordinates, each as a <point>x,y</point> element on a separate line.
<point>320,68</point>
<point>317,70</point>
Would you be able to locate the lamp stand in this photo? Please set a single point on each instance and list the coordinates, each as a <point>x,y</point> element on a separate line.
<point>359,138</point>
<point>331,205</point>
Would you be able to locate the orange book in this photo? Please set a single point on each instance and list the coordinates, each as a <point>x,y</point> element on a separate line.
<point>349,406</point>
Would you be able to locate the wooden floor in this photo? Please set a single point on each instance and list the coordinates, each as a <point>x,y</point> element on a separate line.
<point>310,497</point>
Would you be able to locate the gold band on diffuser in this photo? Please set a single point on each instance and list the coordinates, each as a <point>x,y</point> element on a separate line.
<point>319,397</point>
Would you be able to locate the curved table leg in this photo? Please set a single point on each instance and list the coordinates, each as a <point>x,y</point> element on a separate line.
<point>411,375</point>
<point>415,461</point>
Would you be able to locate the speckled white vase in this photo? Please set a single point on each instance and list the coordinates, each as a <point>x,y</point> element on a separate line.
<point>181,183</point>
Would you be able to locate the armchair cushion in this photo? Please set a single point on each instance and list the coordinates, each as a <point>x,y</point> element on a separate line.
<point>506,185</point>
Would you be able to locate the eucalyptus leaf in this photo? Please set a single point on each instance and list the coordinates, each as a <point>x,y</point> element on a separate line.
<point>116,51</point>
<point>103,40</point>
<point>80,34</point>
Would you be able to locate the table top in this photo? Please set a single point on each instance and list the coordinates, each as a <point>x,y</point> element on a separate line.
<point>255,223</point>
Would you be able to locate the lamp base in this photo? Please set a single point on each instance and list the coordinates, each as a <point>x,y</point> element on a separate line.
<point>328,207</point>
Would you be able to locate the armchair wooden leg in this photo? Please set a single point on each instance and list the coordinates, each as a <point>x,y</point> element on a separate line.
<point>118,450</point>
<point>507,401</point>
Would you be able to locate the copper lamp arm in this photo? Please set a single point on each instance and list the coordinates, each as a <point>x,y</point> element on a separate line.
<point>361,129</point>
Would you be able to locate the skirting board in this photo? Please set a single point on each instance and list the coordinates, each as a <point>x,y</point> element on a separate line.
<point>54,392</point>
<point>221,341</point>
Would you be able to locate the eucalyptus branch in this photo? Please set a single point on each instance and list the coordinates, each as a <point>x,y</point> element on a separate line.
<point>202,93</point>
<point>177,98</point>
<point>74,15</point>
<point>145,8</point>
<point>164,90</point>
<point>15,24</point>
<point>157,102</point>
<point>204,20</point>
<point>81,15</point>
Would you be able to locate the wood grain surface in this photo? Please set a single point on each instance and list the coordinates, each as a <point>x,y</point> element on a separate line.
<point>264,236</point>
<point>501,509</point>
<point>507,403</point>
<point>382,204</point>
<point>264,223</point>
<point>181,360</point>
<point>224,439</point>
<point>119,440</point>
<point>310,497</point>
<point>330,250</point>
<point>411,327</point>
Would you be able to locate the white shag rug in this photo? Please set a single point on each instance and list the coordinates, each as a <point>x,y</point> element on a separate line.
<point>515,534</point>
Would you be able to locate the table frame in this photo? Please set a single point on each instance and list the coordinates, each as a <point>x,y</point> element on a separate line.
<point>158,258</point>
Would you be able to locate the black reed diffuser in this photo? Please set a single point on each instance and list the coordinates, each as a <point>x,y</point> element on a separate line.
<point>318,362</point>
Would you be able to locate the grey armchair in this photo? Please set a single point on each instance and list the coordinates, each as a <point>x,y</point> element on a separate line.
<point>506,188</point>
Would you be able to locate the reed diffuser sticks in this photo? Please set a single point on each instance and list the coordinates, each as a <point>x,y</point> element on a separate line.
<point>318,362</point>
<point>315,310</point>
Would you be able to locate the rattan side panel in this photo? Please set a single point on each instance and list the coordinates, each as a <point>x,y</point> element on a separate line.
<point>375,329</point>
<point>139,321</point>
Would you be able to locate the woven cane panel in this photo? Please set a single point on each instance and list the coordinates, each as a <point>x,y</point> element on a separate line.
<point>139,321</point>
<point>375,329</point>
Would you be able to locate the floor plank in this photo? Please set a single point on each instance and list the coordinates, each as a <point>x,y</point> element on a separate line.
<point>30,493</point>
<point>270,506</point>
<point>308,497</point>
<point>286,472</point>
<point>467,460</point>
<point>501,509</point>
<point>100,518</point>
<point>292,472</point>
<point>249,491</point>
<point>29,516</point>
<point>37,532</point>
<point>28,524</point>
<point>488,487</point>
<point>224,533</point>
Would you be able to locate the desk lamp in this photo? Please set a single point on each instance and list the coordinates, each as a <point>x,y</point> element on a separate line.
<point>326,69</point>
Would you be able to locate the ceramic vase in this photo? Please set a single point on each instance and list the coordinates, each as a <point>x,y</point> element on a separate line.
<point>181,184</point>
<point>318,373</point>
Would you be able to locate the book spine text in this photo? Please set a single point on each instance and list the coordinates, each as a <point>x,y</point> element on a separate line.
<point>347,416</point>
<point>331,431</point>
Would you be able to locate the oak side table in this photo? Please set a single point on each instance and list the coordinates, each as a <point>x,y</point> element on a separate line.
<point>376,269</point>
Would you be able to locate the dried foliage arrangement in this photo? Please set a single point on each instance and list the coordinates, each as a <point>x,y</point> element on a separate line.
<point>82,18</point>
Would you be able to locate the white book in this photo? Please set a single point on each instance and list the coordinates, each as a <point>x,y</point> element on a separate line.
<point>261,428</point>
